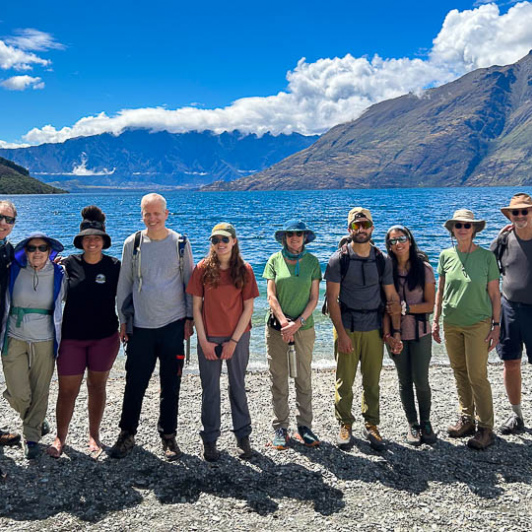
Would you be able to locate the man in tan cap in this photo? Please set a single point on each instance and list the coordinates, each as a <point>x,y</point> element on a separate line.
<point>513,249</point>
<point>356,276</point>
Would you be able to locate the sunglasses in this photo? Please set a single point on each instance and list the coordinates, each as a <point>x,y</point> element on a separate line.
<point>355,226</point>
<point>217,239</point>
<point>33,249</point>
<point>290,234</point>
<point>459,225</point>
<point>399,239</point>
<point>524,212</point>
<point>8,219</point>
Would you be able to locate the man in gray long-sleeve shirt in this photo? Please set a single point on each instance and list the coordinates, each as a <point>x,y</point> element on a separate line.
<point>155,275</point>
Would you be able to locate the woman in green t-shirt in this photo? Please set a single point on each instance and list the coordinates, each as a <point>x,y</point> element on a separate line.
<point>293,277</point>
<point>468,294</point>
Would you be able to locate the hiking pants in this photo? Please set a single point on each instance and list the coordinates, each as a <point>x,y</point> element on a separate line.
<point>468,355</point>
<point>278,365</point>
<point>368,350</point>
<point>210,371</point>
<point>412,366</point>
<point>145,346</point>
<point>28,370</point>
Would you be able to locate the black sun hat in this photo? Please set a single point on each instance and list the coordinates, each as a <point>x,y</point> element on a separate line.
<point>93,224</point>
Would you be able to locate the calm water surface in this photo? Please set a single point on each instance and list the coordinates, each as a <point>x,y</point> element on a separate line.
<point>257,215</point>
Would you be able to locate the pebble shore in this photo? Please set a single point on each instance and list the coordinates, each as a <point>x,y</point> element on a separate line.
<point>443,487</point>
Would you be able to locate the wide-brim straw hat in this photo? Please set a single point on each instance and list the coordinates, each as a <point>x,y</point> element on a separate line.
<point>464,216</point>
<point>521,200</point>
<point>294,226</point>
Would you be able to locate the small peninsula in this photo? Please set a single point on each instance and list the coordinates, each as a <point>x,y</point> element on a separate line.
<point>15,179</point>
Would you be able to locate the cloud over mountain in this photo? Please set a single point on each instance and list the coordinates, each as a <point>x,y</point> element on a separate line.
<point>329,91</point>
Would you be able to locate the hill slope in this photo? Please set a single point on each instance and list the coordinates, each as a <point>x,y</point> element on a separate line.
<point>476,130</point>
<point>15,179</point>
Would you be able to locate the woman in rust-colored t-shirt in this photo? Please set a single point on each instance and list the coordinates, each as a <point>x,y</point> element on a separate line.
<point>223,287</point>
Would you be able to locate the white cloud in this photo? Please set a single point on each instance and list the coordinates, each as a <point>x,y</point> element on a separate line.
<point>11,145</point>
<point>81,170</point>
<point>329,91</point>
<point>21,83</point>
<point>32,39</point>
<point>12,57</point>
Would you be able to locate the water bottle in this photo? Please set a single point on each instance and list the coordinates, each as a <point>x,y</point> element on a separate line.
<point>292,360</point>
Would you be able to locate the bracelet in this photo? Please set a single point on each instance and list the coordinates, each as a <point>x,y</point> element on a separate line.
<point>233,340</point>
<point>495,323</point>
<point>396,331</point>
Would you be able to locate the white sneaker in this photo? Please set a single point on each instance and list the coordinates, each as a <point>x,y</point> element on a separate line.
<point>344,435</point>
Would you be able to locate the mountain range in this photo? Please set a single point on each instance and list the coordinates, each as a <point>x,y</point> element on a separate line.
<point>141,158</point>
<point>474,131</point>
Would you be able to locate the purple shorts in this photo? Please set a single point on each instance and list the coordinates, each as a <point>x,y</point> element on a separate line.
<point>96,355</point>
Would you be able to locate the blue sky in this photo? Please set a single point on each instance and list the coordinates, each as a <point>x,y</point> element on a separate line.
<point>78,68</point>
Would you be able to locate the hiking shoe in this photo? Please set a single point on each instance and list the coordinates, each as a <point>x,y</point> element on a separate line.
<point>245,446</point>
<point>482,439</point>
<point>9,438</point>
<point>305,436</point>
<point>413,434</point>
<point>371,432</point>
<point>344,435</point>
<point>513,425</point>
<point>281,439</point>
<point>123,446</point>
<point>210,452</point>
<point>31,450</point>
<point>464,427</point>
<point>170,448</point>
<point>428,435</point>
<point>45,428</point>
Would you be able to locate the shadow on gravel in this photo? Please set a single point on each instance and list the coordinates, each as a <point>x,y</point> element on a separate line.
<point>259,483</point>
<point>77,485</point>
<point>486,473</point>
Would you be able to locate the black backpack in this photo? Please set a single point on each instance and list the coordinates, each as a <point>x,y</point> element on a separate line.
<point>345,261</point>
<point>501,245</point>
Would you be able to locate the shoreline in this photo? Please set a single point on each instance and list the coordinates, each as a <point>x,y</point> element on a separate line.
<point>403,488</point>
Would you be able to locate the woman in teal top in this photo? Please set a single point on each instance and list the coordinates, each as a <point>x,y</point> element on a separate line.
<point>468,295</point>
<point>293,277</point>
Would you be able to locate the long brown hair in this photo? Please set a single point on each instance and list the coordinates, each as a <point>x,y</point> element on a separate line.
<point>237,268</point>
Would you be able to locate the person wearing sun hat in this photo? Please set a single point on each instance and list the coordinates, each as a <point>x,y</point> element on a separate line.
<point>513,249</point>
<point>31,332</point>
<point>90,329</point>
<point>293,276</point>
<point>468,299</point>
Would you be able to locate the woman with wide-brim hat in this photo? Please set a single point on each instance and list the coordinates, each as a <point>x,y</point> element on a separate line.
<point>90,329</point>
<point>293,277</point>
<point>469,297</point>
<point>31,333</point>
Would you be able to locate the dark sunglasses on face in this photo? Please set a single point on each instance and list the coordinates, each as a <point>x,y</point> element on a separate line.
<point>399,239</point>
<point>8,219</point>
<point>217,239</point>
<point>524,212</point>
<point>355,226</point>
<point>33,249</point>
<point>290,234</point>
<point>459,225</point>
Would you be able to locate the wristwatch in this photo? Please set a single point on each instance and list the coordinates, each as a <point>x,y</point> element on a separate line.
<point>302,320</point>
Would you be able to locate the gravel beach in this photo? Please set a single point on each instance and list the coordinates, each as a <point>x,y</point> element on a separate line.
<point>447,486</point>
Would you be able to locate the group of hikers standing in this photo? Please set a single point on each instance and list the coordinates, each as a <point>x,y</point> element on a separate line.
<point>373,299</point>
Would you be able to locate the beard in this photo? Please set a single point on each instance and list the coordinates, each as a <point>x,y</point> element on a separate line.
<point>361,238</point>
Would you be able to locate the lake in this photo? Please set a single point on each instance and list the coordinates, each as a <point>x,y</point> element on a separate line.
<point>257,215</point>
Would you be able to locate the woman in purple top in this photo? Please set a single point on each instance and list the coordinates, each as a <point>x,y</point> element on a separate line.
<point>415,284</point>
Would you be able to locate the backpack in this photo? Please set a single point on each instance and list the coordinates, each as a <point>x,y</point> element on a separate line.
<point>345,261</point>
<point>501,245</point>
<point>137,243</point>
